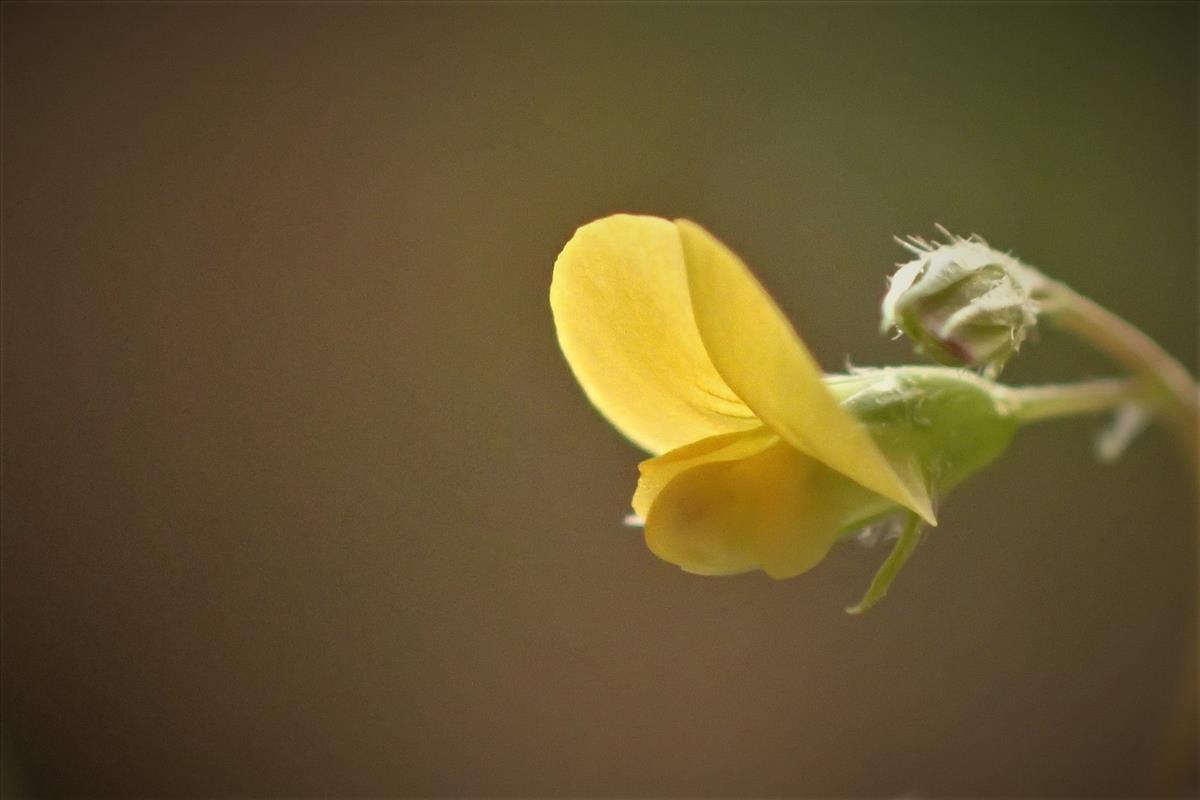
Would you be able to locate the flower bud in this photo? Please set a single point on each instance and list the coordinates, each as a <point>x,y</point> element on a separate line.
<point>963,303</point>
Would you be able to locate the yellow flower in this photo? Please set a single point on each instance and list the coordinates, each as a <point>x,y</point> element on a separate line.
<point>757,465</point>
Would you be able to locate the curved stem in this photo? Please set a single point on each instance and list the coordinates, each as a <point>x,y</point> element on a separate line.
<point>1180,405</point>
<point>1133,349</point>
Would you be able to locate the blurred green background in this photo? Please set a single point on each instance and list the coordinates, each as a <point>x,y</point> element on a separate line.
<point>300,498</point>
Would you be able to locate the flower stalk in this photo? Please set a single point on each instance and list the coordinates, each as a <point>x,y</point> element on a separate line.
<point>1037,403</point>
<point>1171,388</point>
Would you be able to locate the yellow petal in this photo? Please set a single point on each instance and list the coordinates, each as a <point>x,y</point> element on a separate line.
<point>761,358</point>
<point>624,320</point>
<point>778,510</point>
<point>657,472</point>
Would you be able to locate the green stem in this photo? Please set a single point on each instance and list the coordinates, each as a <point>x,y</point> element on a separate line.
<point>1137,352</point>
<point>1037,403</point>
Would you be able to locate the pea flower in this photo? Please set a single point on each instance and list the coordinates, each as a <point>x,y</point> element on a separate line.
<point>759,461</point>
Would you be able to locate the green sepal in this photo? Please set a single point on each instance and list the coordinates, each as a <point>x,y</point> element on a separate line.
<point>903,549</point>
<point>934,424</point>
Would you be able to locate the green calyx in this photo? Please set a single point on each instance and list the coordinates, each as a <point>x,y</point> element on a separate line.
<point>939,426</point>
<point>934,424</point>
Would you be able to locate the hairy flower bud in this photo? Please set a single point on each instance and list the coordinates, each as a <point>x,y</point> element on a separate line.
<point>962,303</point>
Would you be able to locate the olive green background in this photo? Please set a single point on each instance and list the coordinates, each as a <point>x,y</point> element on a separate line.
<point>300,498</point>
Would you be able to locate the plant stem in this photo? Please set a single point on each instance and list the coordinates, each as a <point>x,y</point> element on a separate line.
<point>1133,349</point>
<point>1037,403</point>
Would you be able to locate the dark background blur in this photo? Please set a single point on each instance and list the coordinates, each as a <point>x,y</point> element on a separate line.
<point>300,498</point>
